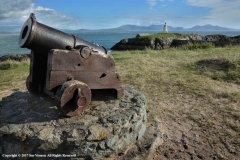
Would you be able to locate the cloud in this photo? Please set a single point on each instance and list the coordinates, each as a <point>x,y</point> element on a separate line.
<point>10,8</point>
<point>203,3</point>
<point>208,17</point>
<point>142,19</point>
<point>222,12</point>
<point>40,8</point>
<point>55,19</point>
<point>16,12</point>
<point>152,3</point>
<point>185,17</point>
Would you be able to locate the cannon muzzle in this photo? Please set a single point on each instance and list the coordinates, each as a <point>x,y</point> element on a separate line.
<point>41,38</point>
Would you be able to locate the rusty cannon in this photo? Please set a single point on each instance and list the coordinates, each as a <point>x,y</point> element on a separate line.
<point>67,68</point>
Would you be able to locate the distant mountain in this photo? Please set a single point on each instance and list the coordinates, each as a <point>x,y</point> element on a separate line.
<point>129,27</point>
<point>141,28</point>
<point>208,27</point>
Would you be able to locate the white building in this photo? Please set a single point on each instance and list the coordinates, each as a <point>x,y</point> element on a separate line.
<point>165,28</point>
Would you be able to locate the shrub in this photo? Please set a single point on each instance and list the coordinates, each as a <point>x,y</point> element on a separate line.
<point>192,46</point>
<point>8,65</point>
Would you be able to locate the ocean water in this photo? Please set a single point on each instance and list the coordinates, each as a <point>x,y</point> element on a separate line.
<point>9,42</point>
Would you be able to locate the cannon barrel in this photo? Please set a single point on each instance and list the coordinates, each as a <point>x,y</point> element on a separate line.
<point>41,38</point>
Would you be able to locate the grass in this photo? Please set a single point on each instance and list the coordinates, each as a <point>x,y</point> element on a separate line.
<point>176,87</point>
<point>192,46</point>
<point>199,86</point>
<point>13,71</point>
<point>162,36</point>
<point>175,69</point>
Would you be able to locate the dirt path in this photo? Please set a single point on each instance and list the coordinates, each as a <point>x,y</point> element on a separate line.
<point>16,86</point>
<point>187,139</point>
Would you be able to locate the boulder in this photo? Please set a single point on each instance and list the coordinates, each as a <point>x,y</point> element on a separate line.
<point>33,127</point>
<point>142,34</point>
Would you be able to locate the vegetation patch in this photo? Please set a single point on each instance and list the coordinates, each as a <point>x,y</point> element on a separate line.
<point>13,71</point>
<point>9,64</point>
<point>220,69</point>
<point>163,36</point>
<point>216,64</point>
<point>192,46</point>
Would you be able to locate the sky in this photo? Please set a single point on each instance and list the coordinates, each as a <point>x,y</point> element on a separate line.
<point>100,14</point>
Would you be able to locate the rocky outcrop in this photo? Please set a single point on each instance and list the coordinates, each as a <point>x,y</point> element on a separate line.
<point>141,43</point>
<point>33,126</point>
<point>15,57</point>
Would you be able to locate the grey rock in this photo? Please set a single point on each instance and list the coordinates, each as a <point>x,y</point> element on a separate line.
<point>110,142</point>
<point>126,140</point>
<point>136,125</point>
<point>144,118</point>
<point>145,148</point>
<point>45,133</point>
<point>34,125</point>
<point>86,150</point>
<point>117,129</point>
<point>139,98</point>
<point>141,131</point>
<point>102,145</point>
<point>196,37</point>
<point>15,57</point>
<point>119,118</point>
<point>98,132</point>
<point>102,153</point>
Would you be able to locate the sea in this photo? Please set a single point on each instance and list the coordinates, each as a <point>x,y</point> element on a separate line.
<point>9,42</point>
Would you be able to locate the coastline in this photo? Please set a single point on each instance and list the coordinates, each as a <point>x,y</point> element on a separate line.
<point>9,42</point>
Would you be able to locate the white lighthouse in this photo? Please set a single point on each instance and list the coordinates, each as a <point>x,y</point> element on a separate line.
<point>165,28</point>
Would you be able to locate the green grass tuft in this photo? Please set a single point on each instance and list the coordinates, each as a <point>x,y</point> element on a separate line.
<point>12,71</point>
<point>163,36</point>
<point>221,69</point>
<point>191,46</point>
<point>9,64</point>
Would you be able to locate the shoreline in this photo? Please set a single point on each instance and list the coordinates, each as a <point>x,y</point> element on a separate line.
<point>9,42</point>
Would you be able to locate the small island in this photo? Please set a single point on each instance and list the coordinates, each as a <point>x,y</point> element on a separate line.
<point>162,41</point>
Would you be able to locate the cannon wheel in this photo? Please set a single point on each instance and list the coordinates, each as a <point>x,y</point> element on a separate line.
<point>73,97</point>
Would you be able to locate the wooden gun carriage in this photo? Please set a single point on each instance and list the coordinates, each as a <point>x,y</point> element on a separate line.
<point>67,68</point>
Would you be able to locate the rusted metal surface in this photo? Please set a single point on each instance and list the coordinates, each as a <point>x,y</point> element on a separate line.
<point>41,38</point>
<point>73,97</point>
<point>67,68</point>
